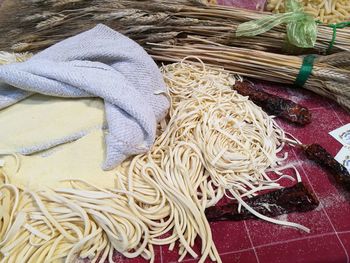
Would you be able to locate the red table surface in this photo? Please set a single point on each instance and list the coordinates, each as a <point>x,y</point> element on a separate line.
<point>255,241</point>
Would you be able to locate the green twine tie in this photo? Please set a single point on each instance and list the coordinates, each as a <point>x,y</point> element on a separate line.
<point>335,27</point>
<point>305,71</point>
<point>301,27</point>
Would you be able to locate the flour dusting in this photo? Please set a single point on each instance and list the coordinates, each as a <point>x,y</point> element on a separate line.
<point>330,201</point>
<point>283,217</point>
<point>296,96</point>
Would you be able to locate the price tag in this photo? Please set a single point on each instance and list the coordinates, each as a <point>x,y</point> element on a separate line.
<point>343,157</point>
<point>342,135</point>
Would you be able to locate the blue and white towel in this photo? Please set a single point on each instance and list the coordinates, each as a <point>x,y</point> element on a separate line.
<point>98,63</point>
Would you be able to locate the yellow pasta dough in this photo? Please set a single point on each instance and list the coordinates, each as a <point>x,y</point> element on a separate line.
<point>78,160</point>
<point>40,122</point>
<point>214,142</point>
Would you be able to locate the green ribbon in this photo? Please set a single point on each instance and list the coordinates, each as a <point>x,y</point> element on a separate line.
<point>301,27</point>
<point>335,27</point>
<point>305,71</point>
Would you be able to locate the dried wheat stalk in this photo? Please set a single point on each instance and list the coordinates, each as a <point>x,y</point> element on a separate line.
<point>32,25</point>
<point>178,29</point>
<point>330,76</point>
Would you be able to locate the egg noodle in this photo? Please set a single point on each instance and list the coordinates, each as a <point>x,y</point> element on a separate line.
<point>214,143</point>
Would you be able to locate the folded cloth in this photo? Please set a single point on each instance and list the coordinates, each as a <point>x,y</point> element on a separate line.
<point>97,63</point>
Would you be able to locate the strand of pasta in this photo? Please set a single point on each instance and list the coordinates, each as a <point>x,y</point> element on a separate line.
<point>216,143</point>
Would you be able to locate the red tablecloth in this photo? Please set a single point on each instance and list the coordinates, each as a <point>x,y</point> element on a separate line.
<point>261,242</point>
<point>258,241</point>
<point>255,241</point>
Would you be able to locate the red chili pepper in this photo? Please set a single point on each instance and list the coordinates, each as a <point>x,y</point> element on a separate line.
<point>297,198</point>
<point>317,153</point>
<point>275,105</point>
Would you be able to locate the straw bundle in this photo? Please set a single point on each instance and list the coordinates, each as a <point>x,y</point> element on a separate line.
<point>35,25</point>
<point>329,77</point>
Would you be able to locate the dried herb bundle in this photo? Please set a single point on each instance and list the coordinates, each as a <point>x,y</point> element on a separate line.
<point>31,25</point>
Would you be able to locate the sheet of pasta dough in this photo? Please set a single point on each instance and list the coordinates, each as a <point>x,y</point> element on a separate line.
<point>71,130</point>
<point>80,159</point>
<point>40,122</point>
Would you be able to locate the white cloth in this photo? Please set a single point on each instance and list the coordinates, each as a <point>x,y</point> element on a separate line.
<point>97,63</point>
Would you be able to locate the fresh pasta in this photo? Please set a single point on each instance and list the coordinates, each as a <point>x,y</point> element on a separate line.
<point>327,11</point>
<point>214,143</point>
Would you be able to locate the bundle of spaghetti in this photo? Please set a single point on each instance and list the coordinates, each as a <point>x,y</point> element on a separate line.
<point>327,11</point>
<point>35,25</point>
<point>329,75</point>
<point>214,143</point>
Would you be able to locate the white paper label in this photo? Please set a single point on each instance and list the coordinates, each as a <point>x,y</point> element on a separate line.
<point>343,157</point>
<point>342,135</point>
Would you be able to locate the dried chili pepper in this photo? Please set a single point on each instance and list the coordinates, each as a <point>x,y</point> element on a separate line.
<point>297,198</point>
<point>275,105</point>
<point>317,153</point>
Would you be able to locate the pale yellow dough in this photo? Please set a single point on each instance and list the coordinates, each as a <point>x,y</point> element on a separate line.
<point>40,121</point>
<point>78,160</point>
